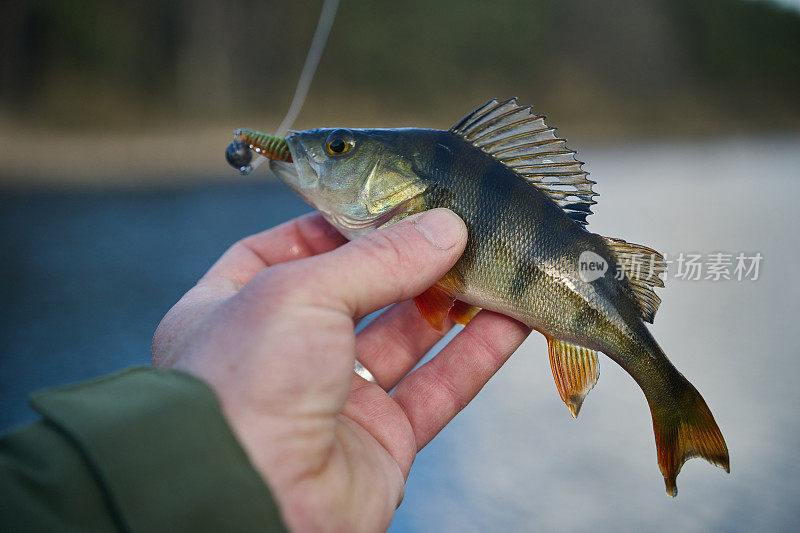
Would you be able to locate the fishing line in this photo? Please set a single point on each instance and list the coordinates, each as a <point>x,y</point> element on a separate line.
<point>318,42</point>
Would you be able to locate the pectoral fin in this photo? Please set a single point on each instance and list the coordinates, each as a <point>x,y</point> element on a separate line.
<point>575,371</point>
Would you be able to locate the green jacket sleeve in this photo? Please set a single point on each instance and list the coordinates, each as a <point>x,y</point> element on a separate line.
<point>142,450</point>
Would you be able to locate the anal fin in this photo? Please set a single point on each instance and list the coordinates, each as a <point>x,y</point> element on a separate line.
<point>575,371</point>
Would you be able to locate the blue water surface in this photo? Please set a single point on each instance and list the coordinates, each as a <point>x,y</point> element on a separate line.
<point>86,277</point>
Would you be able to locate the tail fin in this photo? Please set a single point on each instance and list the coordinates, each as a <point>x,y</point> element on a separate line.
<point>685,428</point>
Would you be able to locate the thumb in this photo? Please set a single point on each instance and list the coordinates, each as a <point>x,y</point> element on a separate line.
<point>388,265</point>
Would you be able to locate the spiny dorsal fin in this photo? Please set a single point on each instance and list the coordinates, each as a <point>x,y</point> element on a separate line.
<point>642,267</point>
<point>523,142</point>
<point>575,371</point>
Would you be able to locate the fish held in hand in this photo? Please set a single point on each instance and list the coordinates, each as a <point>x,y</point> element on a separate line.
<point>525,200</point>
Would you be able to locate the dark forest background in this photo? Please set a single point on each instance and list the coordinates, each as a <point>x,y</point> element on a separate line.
<point>628,64</point>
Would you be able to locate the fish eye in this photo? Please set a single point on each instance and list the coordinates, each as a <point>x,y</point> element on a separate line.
<point>339,142</point>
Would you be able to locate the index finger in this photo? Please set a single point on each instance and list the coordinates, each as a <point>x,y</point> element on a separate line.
<point>433,395</point>
<point>301,237</point>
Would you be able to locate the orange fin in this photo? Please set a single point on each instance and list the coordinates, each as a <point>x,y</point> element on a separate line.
<point>462,313</point>
<point>434,305</point>
<point>683,430</point>
<point>575,371</point>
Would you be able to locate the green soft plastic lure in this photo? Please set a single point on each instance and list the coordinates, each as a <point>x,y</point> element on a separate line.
<point>239,155</point>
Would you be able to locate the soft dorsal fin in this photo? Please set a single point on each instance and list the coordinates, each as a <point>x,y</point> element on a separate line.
<point>642,267</point>
<point>522,141</point>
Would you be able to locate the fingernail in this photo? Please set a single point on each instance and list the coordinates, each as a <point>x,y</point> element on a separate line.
<point>443,228</point>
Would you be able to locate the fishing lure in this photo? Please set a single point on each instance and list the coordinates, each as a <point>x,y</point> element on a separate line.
<point>525,199</point>
<point>239,155</point>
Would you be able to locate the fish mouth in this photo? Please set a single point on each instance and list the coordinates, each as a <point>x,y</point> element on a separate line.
<point>345,221</point>
<point>287,172</point>
<point>299,171</point>
<point>290,173</point>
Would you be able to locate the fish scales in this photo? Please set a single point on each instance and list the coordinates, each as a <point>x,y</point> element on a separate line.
<point>524,199</point>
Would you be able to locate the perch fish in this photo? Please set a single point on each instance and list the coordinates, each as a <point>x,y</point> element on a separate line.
<point>525,200</point>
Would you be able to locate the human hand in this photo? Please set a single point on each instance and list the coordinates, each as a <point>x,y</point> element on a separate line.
<point>270,328</point>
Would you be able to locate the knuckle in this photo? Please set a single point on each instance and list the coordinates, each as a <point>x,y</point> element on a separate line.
<point>489,353</point>
<point>275,285</point>
<point>238,246</point>
<point>452,393</point>
<point>249,245</point>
